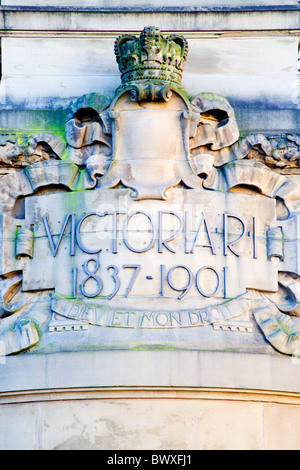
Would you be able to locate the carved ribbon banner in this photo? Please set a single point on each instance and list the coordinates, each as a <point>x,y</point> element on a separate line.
<point>85,313</point>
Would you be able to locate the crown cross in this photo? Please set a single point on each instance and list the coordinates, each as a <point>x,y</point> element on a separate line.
<point>151,56</point>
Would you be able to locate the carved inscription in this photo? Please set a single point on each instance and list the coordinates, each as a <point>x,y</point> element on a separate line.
<point>124,252</point>
<point>86,313</point>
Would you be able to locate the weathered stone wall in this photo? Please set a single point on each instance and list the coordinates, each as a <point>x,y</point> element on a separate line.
<point>248,55</point>
<point>180,401</point>
<point>67,384</point>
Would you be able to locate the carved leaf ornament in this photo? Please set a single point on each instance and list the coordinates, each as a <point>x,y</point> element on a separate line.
<point>151,147</point>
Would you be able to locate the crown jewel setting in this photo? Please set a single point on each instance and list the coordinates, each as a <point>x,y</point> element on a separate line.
<point>151,56</point>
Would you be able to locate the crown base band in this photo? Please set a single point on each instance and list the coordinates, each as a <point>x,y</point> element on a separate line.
<point>146,74</point>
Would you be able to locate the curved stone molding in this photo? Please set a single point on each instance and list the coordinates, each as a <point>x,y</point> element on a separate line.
<point>291,302</point>
<point>213,122</point>
<point>252,173</point>
<point>237,151</point>
<point>282,331</point>
<point>56,143</point>
<point>38,175</point>
<point>49,172</point>
<point>13,185</point>
<point>21,330</point>
<point>88,130</point>
<point>27,150</point>
<point>12,297</point>
<point>95,101</point>
<point>282,152</point>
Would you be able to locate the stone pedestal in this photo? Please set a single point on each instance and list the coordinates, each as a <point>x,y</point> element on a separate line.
<point>155,400</point>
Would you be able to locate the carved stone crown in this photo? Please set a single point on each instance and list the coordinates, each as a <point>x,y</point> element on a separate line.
<point>151,56</point>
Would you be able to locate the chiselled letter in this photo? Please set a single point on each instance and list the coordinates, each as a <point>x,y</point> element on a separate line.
<point>228,244</point>
<point>193,320</point>
<point>150,244</point>
<point>86,250</point>
<point>54,249</point>
<point>162,242</point>
<point>207,230</point>
<point>115,228</point>
<point>149,317</point>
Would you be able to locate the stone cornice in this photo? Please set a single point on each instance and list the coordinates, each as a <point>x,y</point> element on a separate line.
<point>211,370</point>
<point>145,8</point>
<point>76,20</point>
